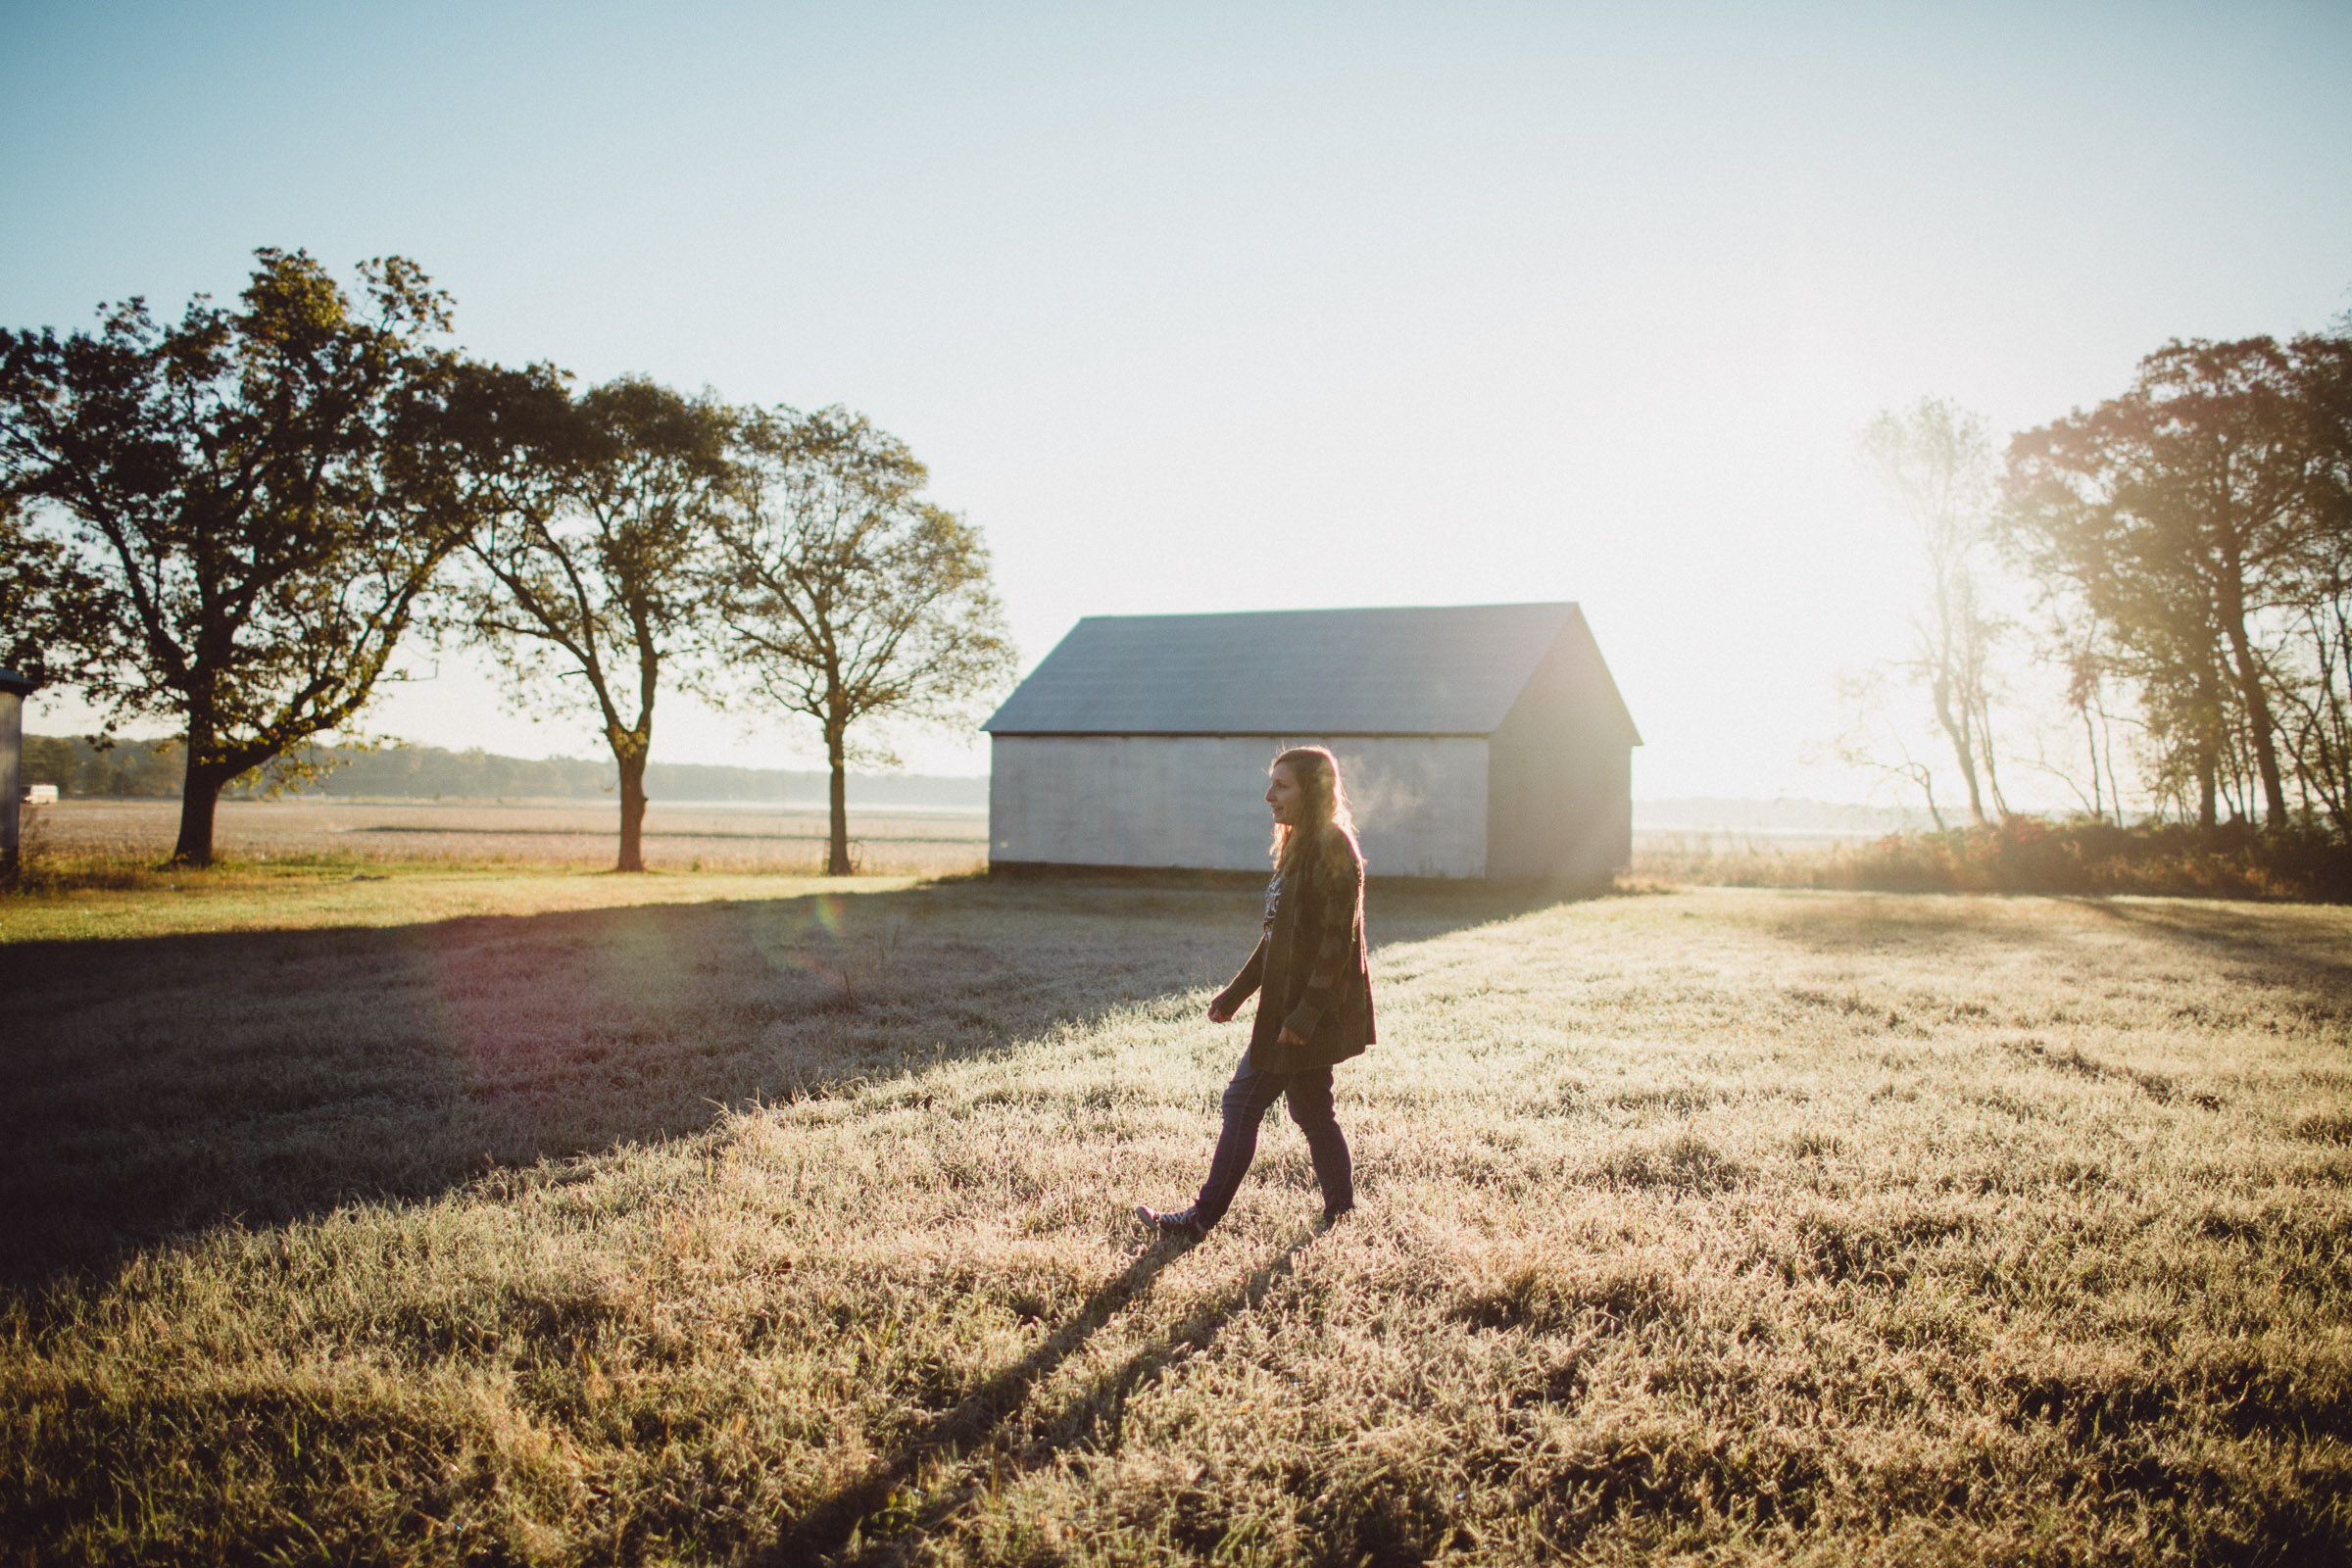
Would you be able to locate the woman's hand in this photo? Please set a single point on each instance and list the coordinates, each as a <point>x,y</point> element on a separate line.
<point>1289,1037</point>
<point>1218,1014</point>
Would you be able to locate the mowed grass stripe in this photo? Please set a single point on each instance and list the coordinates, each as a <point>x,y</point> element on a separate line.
<point>1760,1227</point>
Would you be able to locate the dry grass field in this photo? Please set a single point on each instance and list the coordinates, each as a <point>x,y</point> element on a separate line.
<point>1697,1225</point>
<point>515,833</point>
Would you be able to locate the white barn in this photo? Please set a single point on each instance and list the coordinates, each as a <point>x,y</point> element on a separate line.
<point>1478,741</point>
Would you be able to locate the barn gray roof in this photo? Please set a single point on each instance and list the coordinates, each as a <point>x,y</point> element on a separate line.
<point>1419,670</point>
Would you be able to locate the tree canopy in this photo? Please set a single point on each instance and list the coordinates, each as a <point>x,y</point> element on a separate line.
<point>229,521</point>
<point>842,595</point>
<point>2188,515</point>
<point>1936,459</point>
<point>580,572</point>
<point>232,520</point>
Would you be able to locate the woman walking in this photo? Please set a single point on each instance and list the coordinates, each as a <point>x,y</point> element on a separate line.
<point>1314,1005</point>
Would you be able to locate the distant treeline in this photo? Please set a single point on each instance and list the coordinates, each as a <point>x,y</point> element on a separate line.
<point>2027,855</point>
<point>156,769</point>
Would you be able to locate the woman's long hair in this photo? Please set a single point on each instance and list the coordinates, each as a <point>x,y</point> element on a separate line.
<point>1318,774</point>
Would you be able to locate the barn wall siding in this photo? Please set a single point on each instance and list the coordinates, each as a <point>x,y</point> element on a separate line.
<point>1197,802</point>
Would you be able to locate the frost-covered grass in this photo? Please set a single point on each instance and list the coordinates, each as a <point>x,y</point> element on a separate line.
<point>121,844</point>
<point>1748,1226</point>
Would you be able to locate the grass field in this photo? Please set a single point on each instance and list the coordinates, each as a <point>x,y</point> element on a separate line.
<point>114,901</point>
<point>512,833</point>
<point>768,1225</point>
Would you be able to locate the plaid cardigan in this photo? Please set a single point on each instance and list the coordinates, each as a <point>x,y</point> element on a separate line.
<point>1310,968</point>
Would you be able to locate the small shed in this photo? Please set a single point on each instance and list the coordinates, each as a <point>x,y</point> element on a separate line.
<point>14,689</point>
<point>1478,741</point>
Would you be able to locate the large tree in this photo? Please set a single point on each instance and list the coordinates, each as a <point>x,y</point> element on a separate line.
<point>232,517</point>
<point>591,516</point>
<point>1935,462</point>
<point>842,595</point>
<point>2179,512</point>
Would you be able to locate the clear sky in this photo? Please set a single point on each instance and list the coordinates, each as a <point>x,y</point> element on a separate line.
<point>1200,308</point>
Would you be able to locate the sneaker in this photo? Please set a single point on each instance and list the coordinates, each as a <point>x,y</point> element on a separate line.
<point>1332,1216</point>
<point>1179,1225</point>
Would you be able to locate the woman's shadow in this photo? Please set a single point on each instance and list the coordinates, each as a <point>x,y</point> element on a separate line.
<point>878,1505</point>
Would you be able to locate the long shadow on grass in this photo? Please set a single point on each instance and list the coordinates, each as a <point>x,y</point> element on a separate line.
<point>2316,967</point>
<point>153,1087</point>
<point>2304,956</point>
<point>876,1509</point>
<point>1875,921</point>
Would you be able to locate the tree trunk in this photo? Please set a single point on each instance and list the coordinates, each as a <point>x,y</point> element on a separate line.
<point>1984,753</point>
<point>2258,718</point>
<point>2115,788</point>
<point>2208,720</point>
<point>199,798</point>
<point>2090,739</point>
<point>837,854</point>
<point>632,808</point>
<point>1958,729</point>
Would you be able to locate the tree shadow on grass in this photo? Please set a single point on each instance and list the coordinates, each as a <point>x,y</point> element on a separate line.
<point>1839,921</point>
<point>2297,949</point>
<point>153,1087</point>
<point>870,1515</point>
<point>2310,958</point>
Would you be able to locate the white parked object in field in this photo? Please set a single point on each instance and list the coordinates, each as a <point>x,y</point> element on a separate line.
<point>40,794</point>
<point>1477,741</point>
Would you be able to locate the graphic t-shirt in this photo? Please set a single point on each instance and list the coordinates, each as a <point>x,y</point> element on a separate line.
<point>1273,897</point>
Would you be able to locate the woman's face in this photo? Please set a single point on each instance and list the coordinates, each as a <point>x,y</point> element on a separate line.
<point>1284,796</point>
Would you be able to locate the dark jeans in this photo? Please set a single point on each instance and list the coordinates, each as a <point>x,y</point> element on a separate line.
<point>1247,1098</point>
